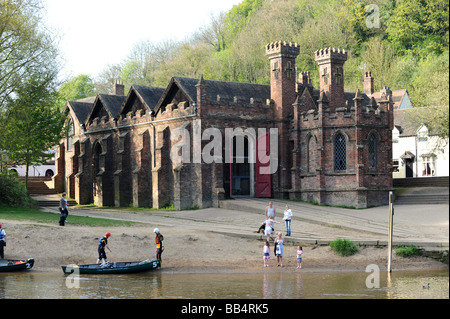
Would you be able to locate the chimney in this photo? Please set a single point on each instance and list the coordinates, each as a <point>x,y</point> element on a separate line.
<point>368,83</point>
<point>283,84</point>
<point>118,88</point>
<point>331,67</point>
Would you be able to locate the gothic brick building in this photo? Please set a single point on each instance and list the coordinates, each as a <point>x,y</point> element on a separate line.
<point>332,147</point>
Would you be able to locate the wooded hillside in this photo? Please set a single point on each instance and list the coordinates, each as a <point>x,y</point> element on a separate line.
<point>403,43</point>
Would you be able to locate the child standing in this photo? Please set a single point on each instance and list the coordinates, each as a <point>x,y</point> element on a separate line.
<point>269,227</point>
<point>102,243</point>
<point>280,249</point>
<point>299,256</point>
<point>266,254</point>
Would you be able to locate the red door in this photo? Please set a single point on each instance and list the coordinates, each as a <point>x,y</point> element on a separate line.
<point>262,167</point>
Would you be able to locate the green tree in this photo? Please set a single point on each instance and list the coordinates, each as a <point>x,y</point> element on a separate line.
<point>32,124</point>
<point>76,88</point>
<point>379,59</point>
<point>419,25</point>
<point>238,17</point>
<point>24,46</point>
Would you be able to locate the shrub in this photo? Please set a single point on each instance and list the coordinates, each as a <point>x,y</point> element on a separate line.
<point>409,251</point>
<point>13,193</point>
<point>343,247</point>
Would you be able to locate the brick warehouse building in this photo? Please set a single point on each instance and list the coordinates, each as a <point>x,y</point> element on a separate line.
<point>333,147</point>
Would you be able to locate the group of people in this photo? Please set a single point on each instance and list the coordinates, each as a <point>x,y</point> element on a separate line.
<point>103,241</point>
<point>269,230</point>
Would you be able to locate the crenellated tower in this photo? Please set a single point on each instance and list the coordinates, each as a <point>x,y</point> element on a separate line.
<point>283,92</point>
<point>331,67</point>
<point>282,57</point>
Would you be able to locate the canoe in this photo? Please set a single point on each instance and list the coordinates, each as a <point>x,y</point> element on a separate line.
<point>112,268</point>
<point>7,265</point>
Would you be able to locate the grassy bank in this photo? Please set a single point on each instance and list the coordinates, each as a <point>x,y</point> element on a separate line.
<point>35,215</point>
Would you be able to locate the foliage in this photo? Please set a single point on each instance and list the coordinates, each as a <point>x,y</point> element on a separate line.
<point>32,124</point>
<point>408,251</point>
<point>343,247</point>
<point>13,193</point>
<point>421,26</point>
<point>29,123</point>
<point>406,49</point>
<point>24,46</point>
<point>78,87</point>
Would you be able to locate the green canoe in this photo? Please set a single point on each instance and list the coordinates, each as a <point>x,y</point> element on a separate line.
<point>8,265</point>
<point>112,268</point>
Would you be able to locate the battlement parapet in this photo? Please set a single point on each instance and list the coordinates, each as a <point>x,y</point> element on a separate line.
<point>333,54</point>
<point>283,48</point>
<point>223,100</point>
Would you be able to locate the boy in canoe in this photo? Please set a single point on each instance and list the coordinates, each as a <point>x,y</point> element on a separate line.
<point>102,243</point>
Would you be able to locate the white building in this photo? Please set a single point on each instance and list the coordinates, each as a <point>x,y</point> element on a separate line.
<point>417,152</point>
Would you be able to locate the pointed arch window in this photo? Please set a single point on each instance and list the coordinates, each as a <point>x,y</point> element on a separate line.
<point>70,134</point>
<point>312,155</point>
<point>97,159</point>
<point>340,153</point>
<point>372,152</point>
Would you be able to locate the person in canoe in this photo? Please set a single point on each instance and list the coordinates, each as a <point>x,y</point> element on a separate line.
<point>159,239</point>
<point>2,242</point>
<point>102,244</point>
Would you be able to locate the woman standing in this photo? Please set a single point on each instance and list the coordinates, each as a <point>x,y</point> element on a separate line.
<point>287,220</point>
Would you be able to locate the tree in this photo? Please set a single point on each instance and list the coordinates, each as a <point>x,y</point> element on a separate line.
<point>76,88</point>
<point>214,33</point>
<point>32,124</point>
<point>23,44</point>
<point>379,58</point>
<point>107,77</point>
<point>420,25</point>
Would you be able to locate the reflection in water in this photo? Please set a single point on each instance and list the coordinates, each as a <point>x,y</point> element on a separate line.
<point>226,286</point>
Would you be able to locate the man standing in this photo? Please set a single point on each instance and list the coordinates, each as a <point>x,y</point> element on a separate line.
<point>270,211</point>
<point>2,242</point>
<point>63,210</point>
<point>159,239</point>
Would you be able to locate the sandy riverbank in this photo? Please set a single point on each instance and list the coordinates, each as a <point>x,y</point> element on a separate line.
<point>187,250</point>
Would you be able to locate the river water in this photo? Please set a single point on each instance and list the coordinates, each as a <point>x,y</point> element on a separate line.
<point>153,285</point>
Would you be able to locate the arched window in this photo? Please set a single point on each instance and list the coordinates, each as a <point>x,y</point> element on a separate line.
<point>312,157</point>
<point>372,152</point>
<point>97,156</point>
<point>70,133</point>
<point>340,153</point>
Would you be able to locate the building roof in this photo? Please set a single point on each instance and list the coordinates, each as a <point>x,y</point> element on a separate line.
<point>81,108</point>
<point>397,97</point>
<point>112,105</point>
<point>315,94</point>
<point>408,121</point>
<point>214,88</point>
<point>148,95</point>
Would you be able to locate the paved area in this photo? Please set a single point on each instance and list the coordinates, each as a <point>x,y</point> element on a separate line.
<point>425,226</point>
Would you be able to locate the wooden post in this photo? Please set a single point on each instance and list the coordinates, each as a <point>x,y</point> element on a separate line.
<point>391,227</point>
